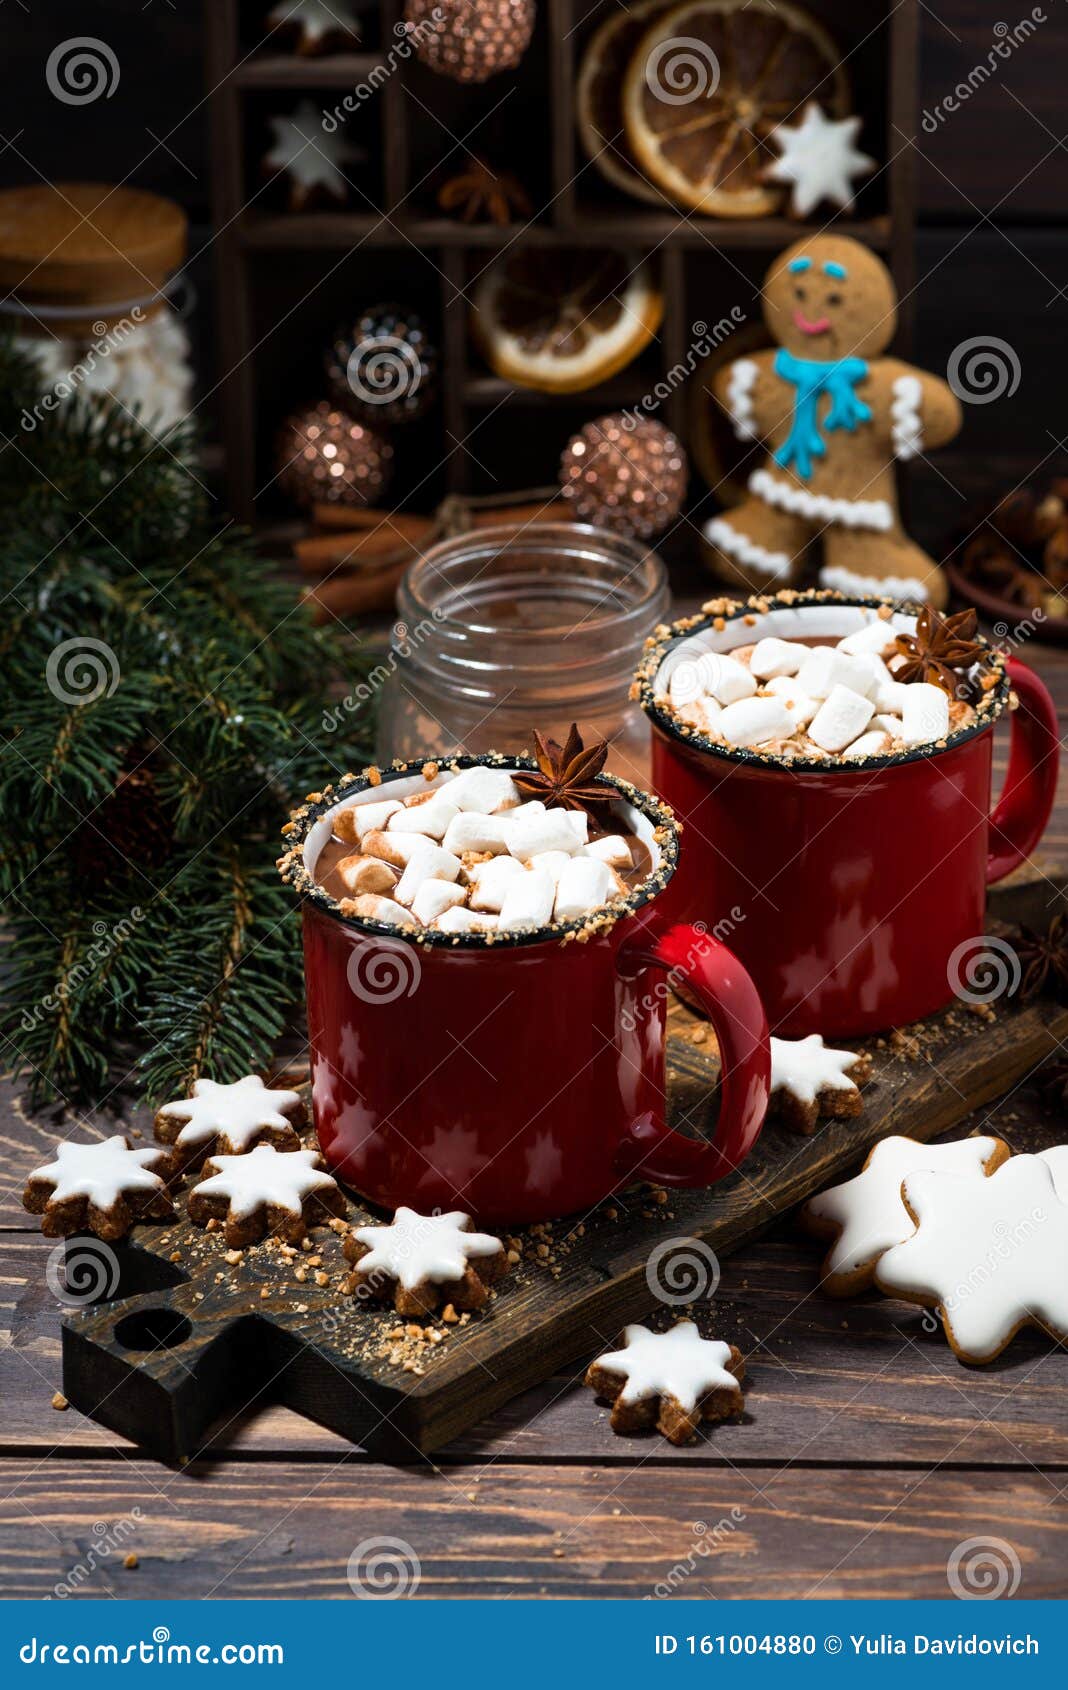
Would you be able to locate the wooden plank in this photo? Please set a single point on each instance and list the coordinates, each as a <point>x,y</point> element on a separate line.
<point>288,1531</point>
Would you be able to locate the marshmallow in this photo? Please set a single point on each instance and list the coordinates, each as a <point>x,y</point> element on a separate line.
<point>801,707</point>
<point>826,668</point>
<point>889,696</point>
<point>889,724</point>
<point>771,657</point>
<point>553,862</point>
<point>434,897</point>
<point>431,863</point>
<point>875,744</point>
<point>528,902</point>
<point>359,819</point>
<point>365,874</point>
<point>483,789</point>
<point>459,920</point>
<point>926,713</point>
<point>391,914</point>
<point>430,816</point>
<point>471,831</point>
<point>612,849</point>
<point>839,719</point>
<point>726,679</point>
<point>876,637</point>
<point>396,848</point>
<point>547,830</point>
<point>491,881</point>
<point>584,885</point>
<point>752,721</point>
<point>687,683</point>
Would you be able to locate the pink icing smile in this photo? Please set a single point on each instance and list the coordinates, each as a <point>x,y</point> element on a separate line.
<point>820,326</point>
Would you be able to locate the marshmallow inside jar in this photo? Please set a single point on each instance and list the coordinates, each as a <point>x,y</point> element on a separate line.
<point>508,885</point>
<point>813,711</point>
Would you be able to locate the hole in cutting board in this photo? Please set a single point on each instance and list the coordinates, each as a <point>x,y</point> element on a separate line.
<point>153,1329</point>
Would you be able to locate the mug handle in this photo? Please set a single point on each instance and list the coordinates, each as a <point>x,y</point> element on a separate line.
<point>1021,813</point>
<point>725,991</point>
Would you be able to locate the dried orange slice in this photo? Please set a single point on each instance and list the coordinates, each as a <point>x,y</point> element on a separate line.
<point>707,84</point>
<point>562,320</point>
<point>598,97</point>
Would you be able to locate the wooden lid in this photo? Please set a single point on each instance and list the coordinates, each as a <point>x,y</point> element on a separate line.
<point>86,243</point>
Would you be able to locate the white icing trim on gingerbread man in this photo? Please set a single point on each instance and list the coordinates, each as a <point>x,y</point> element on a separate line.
<point>238,1111</point>
<point>415,1248</point>
<point>906,424</point>
<point>820,507</point>
<point>102,1172</point>
<point>740,385</point>
<point>873,586</point>
<point>992,1254</point>
<point>805,1067</point>
<point>678,1363</point>
<point>282,1178</point>
<point>719,531</point>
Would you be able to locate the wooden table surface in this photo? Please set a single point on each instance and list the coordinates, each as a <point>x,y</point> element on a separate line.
<point>866,1455</point>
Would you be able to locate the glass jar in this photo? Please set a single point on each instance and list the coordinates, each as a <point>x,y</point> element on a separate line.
<point>507,629</point>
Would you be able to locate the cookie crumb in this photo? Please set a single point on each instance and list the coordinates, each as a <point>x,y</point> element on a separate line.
<point>130,1562</point>
<point>59,1401</point>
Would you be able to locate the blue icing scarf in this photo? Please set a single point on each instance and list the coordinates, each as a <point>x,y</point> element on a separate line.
<point>811,378</point>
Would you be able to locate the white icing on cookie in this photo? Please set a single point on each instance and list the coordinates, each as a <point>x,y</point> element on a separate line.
<point>678,1363</point>
<point>265,1175</point>
<point>872,586</point>
<point>992,1254</point>
<point>820,507</point>
<point>868,1208</point>
<point>238,1111</point>
<point>740,385</point>
<point>906,428</point>
<point>101,1172</point>
<point>820,158</point>
<point>415,1248</point>
<point>305,152</point>
<point>719,532</point>
<point>805,1067</point>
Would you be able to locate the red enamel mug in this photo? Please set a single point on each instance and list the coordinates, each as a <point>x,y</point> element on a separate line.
<point>521,1079</point>
<point>855,894</point>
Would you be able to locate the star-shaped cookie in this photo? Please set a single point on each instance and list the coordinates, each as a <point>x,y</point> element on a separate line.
<point>820,158</point>
<point>865,1216</point>
<point>421,1261</point>
<point>101,1188</point>
<point>311,158</point>
<point>230,1119</point>
<point>991,1255</point>
<point>809,1079</point>
<point>672,1380</point>
<point>266,1191</point>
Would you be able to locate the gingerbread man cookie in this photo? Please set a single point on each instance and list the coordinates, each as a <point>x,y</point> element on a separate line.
<point>865,1216</point>
<point>230,1119</point>
<point>101,1188</point>
<point>835,418</point>
<point>671,1380</point>
<point>990,1256</point>
<point>419,1262</point>
<point>265,1191</point>
<point>809,1079</point>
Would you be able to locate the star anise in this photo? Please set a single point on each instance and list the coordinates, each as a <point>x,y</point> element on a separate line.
<point>480,194</point>
<point>942,650</point>
<point>1044,960</point>
<point>565,774</point>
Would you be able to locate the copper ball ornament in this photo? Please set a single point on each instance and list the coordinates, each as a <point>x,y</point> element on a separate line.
<point>626,474</point>
<point>470,40</point>
<point>383,367</point>
<point>325,457</point>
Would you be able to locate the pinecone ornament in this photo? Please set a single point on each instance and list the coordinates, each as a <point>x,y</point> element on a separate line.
<point>131,829</point>
<point>325,457</point>
<point>624,474</point>
<point>383,368</point>
<point>470,40</point>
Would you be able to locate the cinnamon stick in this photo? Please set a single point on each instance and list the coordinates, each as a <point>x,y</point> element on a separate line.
<point>356,595</point>
<point>352,518</point>
<point>321,552</point>
<point>555,510</point>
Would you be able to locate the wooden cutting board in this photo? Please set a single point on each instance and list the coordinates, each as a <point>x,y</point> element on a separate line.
<point>185,1342</point>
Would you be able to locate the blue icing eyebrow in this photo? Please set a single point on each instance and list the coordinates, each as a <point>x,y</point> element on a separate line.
<point>839,271</point>
<point>797,265</point>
